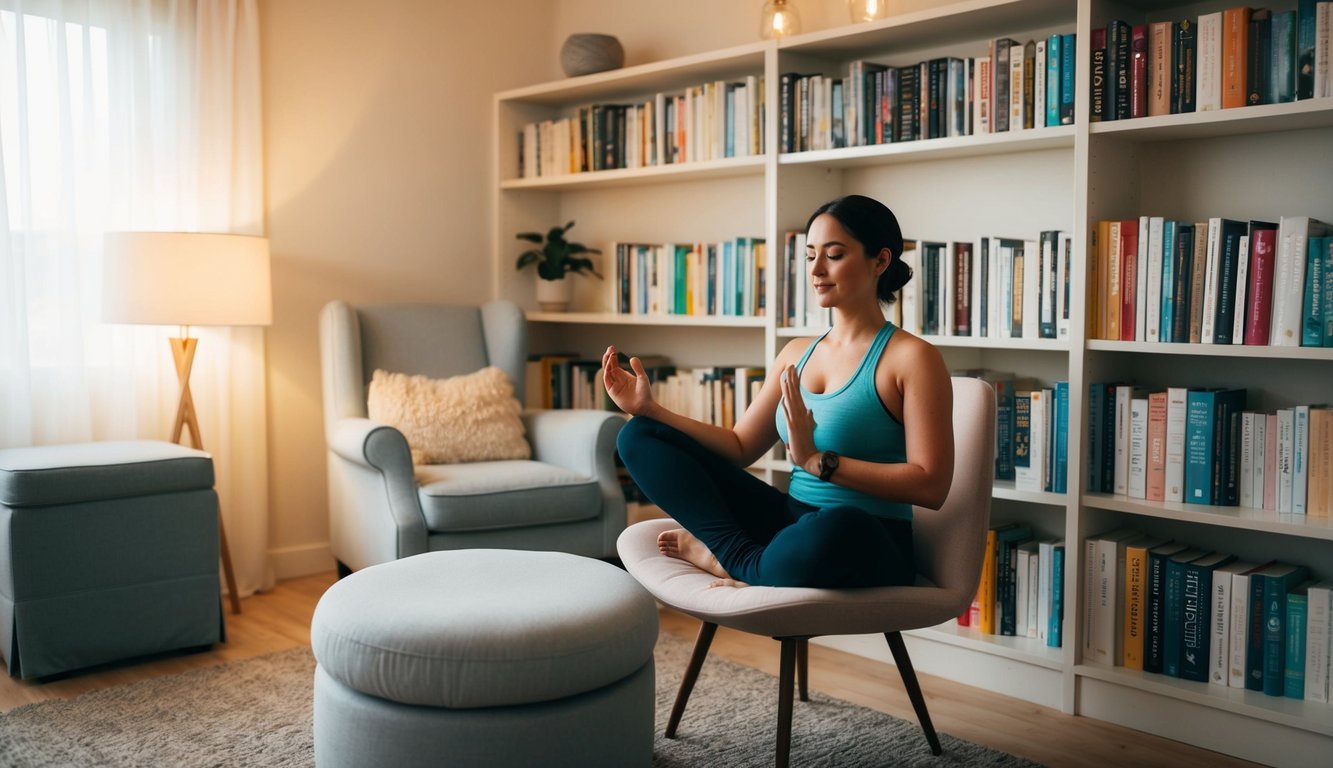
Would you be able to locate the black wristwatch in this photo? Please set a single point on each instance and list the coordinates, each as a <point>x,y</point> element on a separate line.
<point>828,464</point>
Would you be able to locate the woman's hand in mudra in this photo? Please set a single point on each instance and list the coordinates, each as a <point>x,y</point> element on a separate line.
<point>800,422</point>
<point>632,393</point>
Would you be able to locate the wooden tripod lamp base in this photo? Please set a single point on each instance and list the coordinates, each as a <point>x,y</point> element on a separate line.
<point>182,351</point>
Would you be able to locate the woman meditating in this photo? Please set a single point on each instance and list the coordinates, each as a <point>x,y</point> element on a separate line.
<point>865,411</point>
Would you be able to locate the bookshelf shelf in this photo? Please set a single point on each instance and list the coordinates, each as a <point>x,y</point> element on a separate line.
<point>1293,713</point>
<point>666,321</point>
<point>1259,162</point>
<point>657,174</point>
<point>1213,350</point>
<point>1024,649</point>
<point>1245,518</point>
<point>1263,118</point>
<point>1060,137</point>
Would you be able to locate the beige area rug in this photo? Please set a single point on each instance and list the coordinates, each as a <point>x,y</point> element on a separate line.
<point>257,712</point>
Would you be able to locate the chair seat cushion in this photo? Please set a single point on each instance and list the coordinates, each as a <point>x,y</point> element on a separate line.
<point>489,495</point>
<point>780,611</point>
<point>78,472</point>
<point>484,628</point>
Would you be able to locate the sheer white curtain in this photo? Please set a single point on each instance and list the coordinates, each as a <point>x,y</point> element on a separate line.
<point>129,115</point>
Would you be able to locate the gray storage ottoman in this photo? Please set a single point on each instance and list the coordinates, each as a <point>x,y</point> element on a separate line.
<point>108,551</point>
<point>485,657</point>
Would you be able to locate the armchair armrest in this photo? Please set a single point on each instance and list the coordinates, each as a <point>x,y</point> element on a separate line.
<point>374,507</point>
<point>583,441</point>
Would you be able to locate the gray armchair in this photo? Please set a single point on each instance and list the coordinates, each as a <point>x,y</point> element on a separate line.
<point>382,508</point>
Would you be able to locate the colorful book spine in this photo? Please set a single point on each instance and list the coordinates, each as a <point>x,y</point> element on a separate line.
<point>1054,636</point>
<point>1154,635</point>
<point>1318,636</point>
<point>1293,666</point>
<point>1196,612</point>
<point>1173,613</point>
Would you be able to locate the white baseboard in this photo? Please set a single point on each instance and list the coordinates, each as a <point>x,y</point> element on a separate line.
<point>302,560</point>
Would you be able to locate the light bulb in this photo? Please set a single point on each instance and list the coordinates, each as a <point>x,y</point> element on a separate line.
<point>867,10</point>
<point>779,20</point>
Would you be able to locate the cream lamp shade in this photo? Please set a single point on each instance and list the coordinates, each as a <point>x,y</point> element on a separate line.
<point>186,278</point>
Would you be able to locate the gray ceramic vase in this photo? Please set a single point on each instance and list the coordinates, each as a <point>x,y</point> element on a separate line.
<point>586,53</point>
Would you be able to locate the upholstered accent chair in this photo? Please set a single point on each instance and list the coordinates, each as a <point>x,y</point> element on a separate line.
<point>948,542</point>
<point>566,497</point>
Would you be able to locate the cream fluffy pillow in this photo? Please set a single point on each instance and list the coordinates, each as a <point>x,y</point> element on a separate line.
<point>473,417</point>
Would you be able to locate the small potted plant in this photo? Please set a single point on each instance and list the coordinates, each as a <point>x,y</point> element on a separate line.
<point>556,258</point>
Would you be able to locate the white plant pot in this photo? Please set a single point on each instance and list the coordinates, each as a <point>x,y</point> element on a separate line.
<point>555,295</point>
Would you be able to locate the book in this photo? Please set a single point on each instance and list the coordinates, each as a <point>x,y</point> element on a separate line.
<point>1118,68</point>
<point>1211,472</point>
<point>1097,77</point>
<point>1282,56</point>
<point>1138,70</point>
<point>1219,653</point>
<point>1263,260</point>
<point>1184,58</point>
<point>1008,538</point>
<point>1173,611</point>
<point>1208,92</point>
<point>1230,234</point>
<point>1137,451</point>
<point>1293,235</point>
<point>1235,47</point>
<point>1270,585</point>
<point>1026,574</point>
<point>1196,607</point>
<point>1314,306</point>
<point>1286,461</point>
<point>1154,657</point>
<point>1161,72</point>
<point>1198,267</point>
<point>1177,403</point>
<point>1300,470</point>
<point>1135,593</point>
<point>1060,432</point>
<point>1054,636</point>
<point>1293,662</point>
<point>1307,36</point>
<point>1001,65</point>
<point>1258,58</point>
<point>1155,474</point>
<point>1318,636</point>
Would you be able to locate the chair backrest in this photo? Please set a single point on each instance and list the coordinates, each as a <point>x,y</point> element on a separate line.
<point>436,340</point>
<point>950,541</point>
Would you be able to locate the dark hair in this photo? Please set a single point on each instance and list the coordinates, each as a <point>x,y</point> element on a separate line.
<point>875,227</point>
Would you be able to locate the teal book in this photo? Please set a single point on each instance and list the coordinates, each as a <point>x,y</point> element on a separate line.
<point>1173,611</point>
<point>1057,609</point>
<point>1154,604</point>
<point>1199,457</point>
<point>1316,280</point>
<point>1166,309</point>
<point>1265,657</point>
<point>1327,255</point>
<point>1293,675</point>
<point>1196,616</point>
<point>1067,79</point>
<point>1054,59</point>
<point>1306,37</point>
<point>1060,469</point>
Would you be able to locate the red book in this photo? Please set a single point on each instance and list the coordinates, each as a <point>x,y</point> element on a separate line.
<point>1138,70</point>
<point>1129,256</point>
<point>1259,292</point>
<point>1235,57</point>
<point>1156,476</point>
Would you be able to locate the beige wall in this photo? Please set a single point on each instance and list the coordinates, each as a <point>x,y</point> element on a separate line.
<point>377,119</point>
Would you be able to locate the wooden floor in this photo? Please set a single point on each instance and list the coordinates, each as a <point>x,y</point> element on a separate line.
<point>280,619</point>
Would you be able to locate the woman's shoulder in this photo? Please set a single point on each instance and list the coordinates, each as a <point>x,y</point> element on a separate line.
<point>793,349</point>
<point>908,348</point>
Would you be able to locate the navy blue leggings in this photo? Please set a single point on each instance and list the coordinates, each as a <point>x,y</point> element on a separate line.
<point>759,534</point>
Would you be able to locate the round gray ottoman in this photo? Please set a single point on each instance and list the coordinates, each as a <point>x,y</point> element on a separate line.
<point>485,657</point>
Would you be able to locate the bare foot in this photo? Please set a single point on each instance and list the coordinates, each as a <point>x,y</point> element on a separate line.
<point>682,545</point>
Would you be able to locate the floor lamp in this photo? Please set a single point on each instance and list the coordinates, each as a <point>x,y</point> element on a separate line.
<point>185,279</point>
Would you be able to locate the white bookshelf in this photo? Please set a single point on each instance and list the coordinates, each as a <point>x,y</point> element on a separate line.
<point>1256,162</point>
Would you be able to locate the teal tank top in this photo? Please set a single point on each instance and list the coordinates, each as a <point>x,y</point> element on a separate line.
<point>853,422</point>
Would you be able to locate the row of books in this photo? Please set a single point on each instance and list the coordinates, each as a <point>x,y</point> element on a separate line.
<point>1235,57</point>
<point>1015,85</point>
<point>1201,446</point>
<point>717,395</point>
<point>710,121</point>
<point>1021,592</point>
<point>718,279</point>
<point>1183,611</point>
<point>1031,430</point>
<point>1219,281</point>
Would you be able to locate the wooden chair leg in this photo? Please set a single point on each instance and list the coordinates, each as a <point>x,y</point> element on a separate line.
<point>803,668</point>
<point>904,662</point>
<point>701,644</point>
<point>786,682</point>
